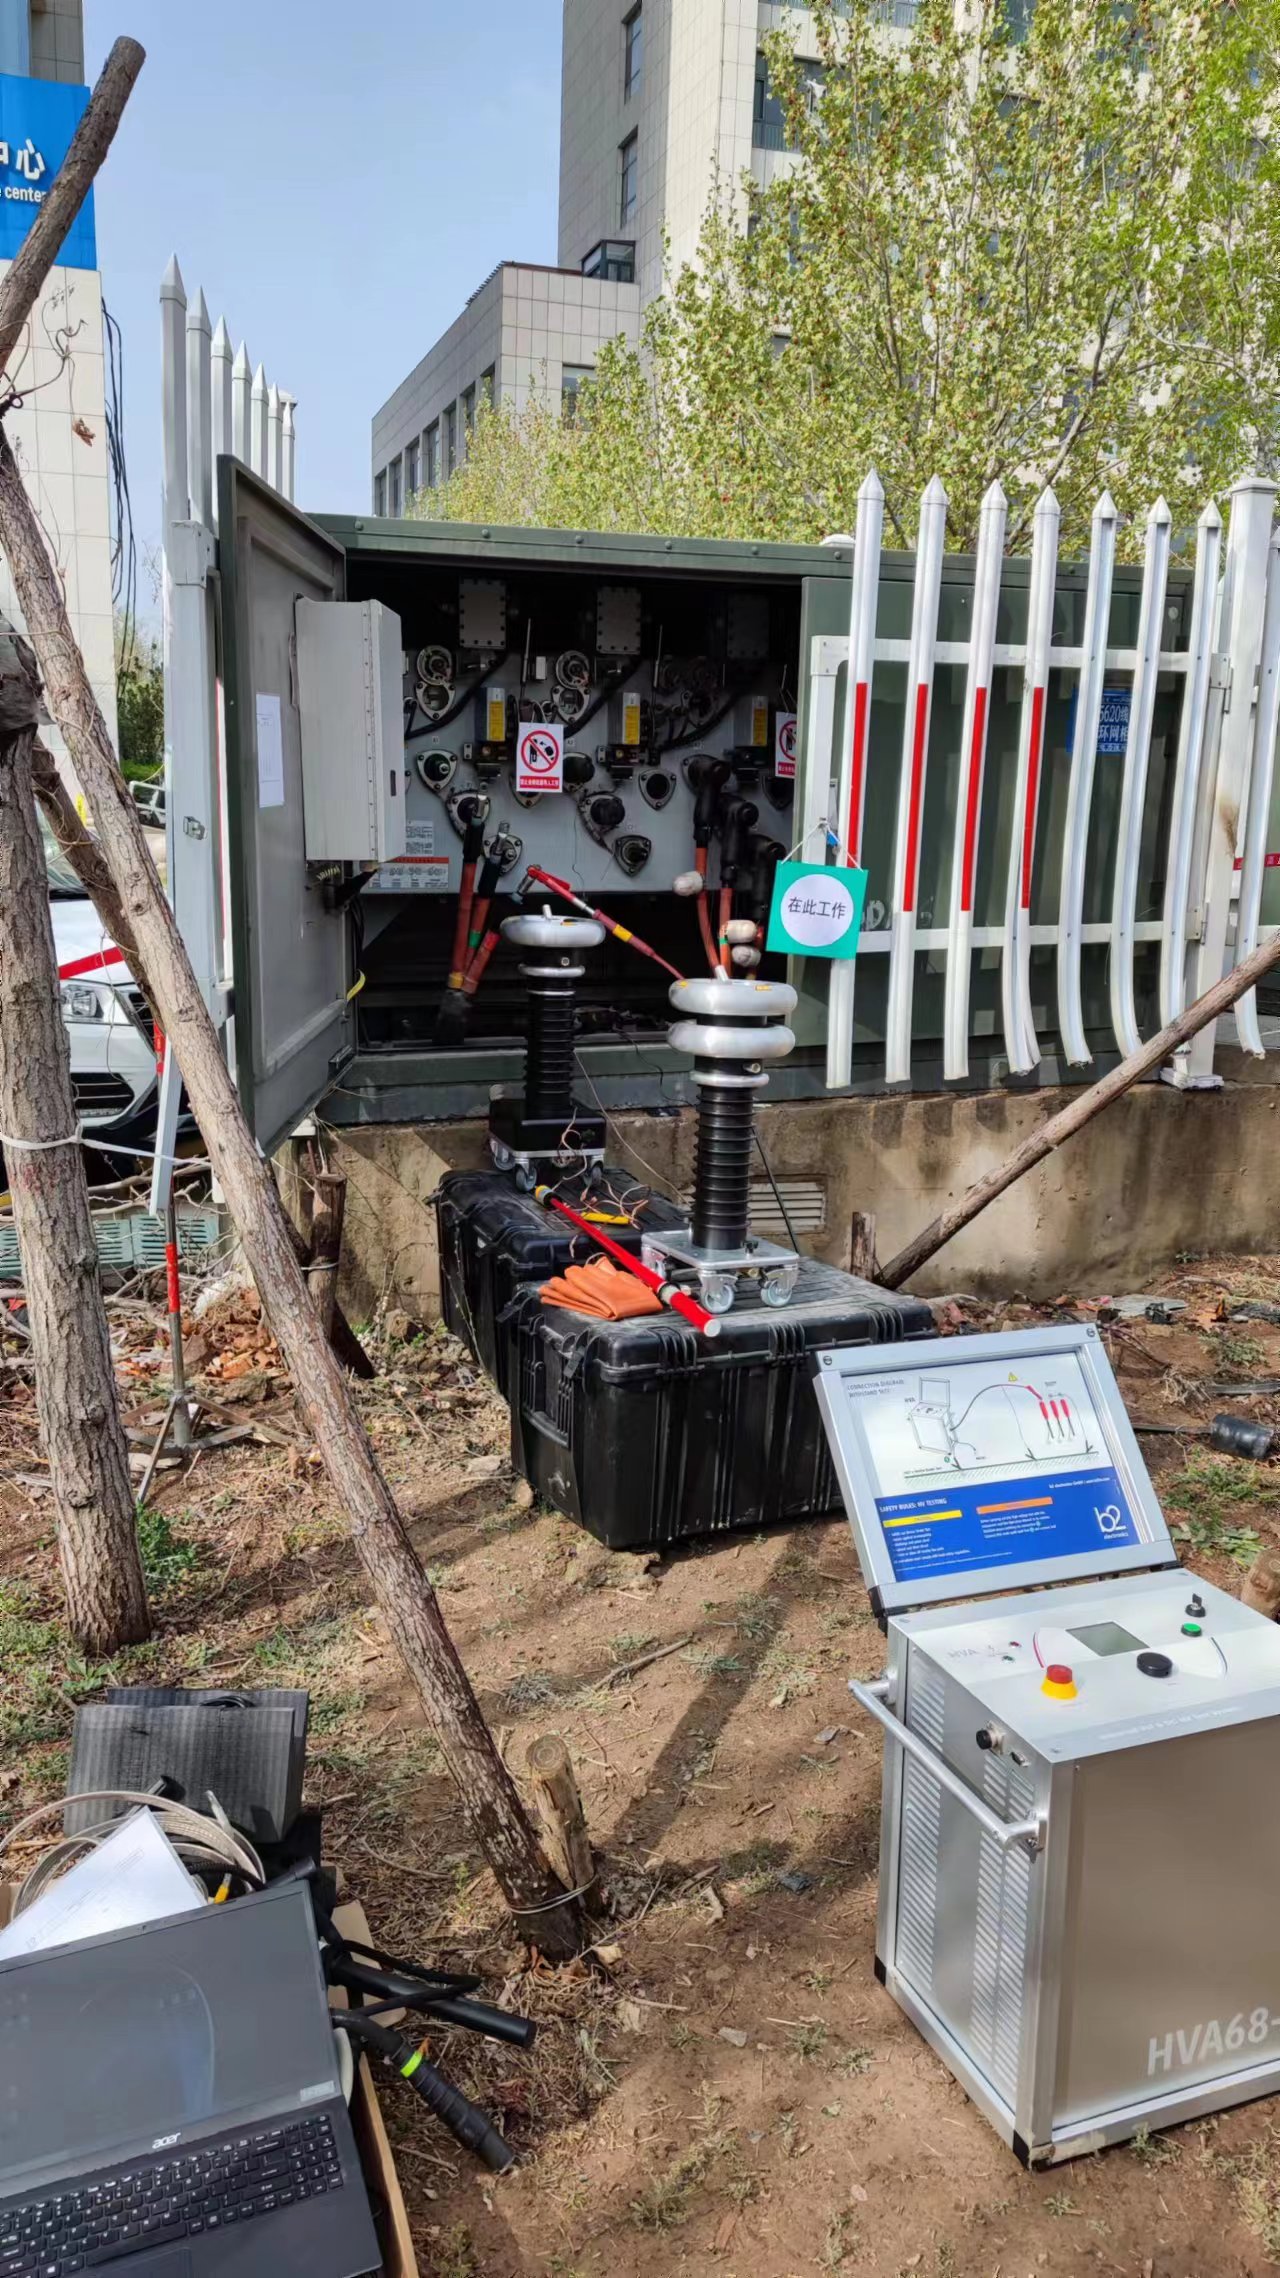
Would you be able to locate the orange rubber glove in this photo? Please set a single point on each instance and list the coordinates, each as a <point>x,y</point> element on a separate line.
<point>601,1290</point>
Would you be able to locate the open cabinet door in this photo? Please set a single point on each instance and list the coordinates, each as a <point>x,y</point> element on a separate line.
<point>292,973</point>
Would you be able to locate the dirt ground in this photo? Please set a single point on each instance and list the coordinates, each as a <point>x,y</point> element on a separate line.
<point>731,2092</point>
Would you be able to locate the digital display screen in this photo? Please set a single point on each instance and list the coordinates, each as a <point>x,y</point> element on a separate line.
<point>1103,1637</point>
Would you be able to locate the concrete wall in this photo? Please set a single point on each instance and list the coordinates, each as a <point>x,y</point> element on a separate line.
<point>1158,1173</point>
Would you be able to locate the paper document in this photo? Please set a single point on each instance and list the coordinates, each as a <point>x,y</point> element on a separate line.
<point>135,1876</point>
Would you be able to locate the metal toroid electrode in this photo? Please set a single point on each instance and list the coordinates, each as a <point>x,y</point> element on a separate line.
<point>733,1031</point>
<point>544,1123</point>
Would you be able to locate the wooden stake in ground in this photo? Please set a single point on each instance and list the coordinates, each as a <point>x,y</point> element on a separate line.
<point>560,1814</point>
<point>44,1166</point>
<point>493,1809</point>
<point>1082,1109</point>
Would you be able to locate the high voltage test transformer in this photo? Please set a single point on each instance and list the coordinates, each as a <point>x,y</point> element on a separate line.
<point>1080,1861</point>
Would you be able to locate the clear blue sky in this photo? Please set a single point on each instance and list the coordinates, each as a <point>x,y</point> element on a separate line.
<point>338,178</point>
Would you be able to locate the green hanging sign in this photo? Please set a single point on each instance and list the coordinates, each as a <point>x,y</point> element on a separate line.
<point>816,910</point>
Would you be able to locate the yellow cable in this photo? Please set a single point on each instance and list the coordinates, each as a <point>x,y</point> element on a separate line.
<point>356,987</point>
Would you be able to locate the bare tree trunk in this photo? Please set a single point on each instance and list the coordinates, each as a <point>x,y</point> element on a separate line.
<point>75,1382</point>
<point>1082,1109</point>
<point>488,1794</point>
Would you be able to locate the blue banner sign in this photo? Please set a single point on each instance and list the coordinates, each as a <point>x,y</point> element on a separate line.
<point>38,118</point>
<point>1005,1522</point>
<point>1113,721</point>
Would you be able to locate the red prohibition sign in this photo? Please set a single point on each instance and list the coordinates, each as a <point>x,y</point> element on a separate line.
<point>539,753</point>
<point>787,740</point>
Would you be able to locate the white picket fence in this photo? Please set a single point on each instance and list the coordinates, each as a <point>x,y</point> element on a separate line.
<point>1221,794</point>
<point>212,404</point>
<point>215,404</point>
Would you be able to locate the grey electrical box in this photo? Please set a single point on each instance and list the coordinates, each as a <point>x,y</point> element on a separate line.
<point>352,719</point>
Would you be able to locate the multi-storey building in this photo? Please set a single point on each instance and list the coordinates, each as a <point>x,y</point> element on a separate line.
<point>660,100</point>
<point>58,427</point>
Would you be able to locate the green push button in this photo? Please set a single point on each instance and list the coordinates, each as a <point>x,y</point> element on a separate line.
<point>1191,1629</point>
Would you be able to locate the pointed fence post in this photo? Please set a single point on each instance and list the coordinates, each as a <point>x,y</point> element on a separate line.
<point>221,359</point>
<point>258,423</point>
<point>1015,979</point>
<point>851,795</point>
<point>930,545</point>
<point>275,438</point>
<point>241,405</point>
<point>1133,789</point>
<point>1084,753</point>
<point>992,520</point>
<point>1192,734</point>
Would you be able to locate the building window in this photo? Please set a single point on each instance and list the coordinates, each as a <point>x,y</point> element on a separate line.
<point>614,259</point>
<point>450,439</point>
<point>380,493</point>
<point>632,53</point>
<point>393,489</point>
<point>489,386</point>
<point>468,409</point>
<point>768,124</point>
<point>573,378</point>
<point>412,470</point>
<point>432,440</point>
<point>628,170</point>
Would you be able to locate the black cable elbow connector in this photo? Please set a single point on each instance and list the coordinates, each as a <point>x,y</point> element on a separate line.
<point>464,2120</point>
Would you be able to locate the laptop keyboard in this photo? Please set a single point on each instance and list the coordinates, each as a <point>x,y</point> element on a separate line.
<point>176,2198</point>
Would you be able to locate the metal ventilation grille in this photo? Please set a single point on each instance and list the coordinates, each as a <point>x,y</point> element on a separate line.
<point>806,1201</point>
<point>918,1875</point>
<point>1000,1933</point>
<point>128,1241</point>
<point>921,1830</point>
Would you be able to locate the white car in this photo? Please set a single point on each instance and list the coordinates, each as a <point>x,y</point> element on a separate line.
<point>109,1025</point>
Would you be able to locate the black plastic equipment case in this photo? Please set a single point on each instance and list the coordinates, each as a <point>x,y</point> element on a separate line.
<point>495,1241</point>
<point>647,1433</point>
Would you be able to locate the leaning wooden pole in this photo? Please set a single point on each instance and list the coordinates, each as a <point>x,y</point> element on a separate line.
<point>491,1804</point>
<point>1082,1109</point>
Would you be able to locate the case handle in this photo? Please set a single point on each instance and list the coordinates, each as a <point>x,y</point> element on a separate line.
<point>1007,1833</point>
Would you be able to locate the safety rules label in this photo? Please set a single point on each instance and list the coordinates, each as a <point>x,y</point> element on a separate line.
<point>540,758</point>
<point>784,745</point>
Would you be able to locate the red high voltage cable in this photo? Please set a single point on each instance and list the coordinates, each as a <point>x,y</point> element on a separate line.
<point>619,932</point>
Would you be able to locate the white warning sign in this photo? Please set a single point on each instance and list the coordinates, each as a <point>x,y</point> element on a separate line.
<point>784,746</point>
<point>540,757</point>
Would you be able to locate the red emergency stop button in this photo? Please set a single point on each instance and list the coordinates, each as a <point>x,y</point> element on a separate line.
<point>1059,1682</point>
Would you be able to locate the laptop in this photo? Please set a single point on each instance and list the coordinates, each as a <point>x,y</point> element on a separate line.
<point>170,2104</point>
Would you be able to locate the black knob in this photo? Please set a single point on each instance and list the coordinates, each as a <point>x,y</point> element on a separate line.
<point>1155,1664</point>
<point>985,1737</point>
<point>1196,1607</point>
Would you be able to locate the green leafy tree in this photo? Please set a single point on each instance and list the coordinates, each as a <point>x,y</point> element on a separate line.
<point>1051,258</point>
<point>139,705</point>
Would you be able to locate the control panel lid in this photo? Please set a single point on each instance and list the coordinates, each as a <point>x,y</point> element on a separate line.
<point>974,1465</point>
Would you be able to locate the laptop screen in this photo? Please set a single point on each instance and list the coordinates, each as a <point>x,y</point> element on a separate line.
<point>126,2045</point>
